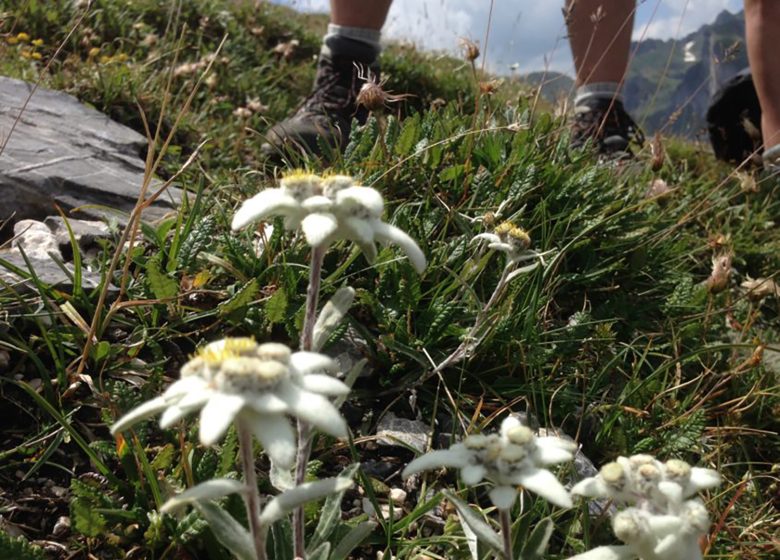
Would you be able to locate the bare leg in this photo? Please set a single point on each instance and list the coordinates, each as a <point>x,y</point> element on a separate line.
<point>762,28</point>
<point>600,38</point>
<point>359,13</point>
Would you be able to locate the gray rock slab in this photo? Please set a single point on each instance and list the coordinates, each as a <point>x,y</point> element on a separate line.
<point>395,431</point>
<point>62,152</point>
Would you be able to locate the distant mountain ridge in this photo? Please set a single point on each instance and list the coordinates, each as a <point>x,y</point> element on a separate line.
<point>673,99</point>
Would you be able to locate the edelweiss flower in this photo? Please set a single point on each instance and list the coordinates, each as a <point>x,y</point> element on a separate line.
<point>650,536</point>
<point>327,210</point>
<point>236,378</point>
<point>509,239</point>
<point>644,481</point>
<point>512,458</point>
<point>662,523</point>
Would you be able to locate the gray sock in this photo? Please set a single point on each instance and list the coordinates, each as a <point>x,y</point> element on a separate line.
<point>772,155</point>
<point>357,43</point>
<point>598,90</point>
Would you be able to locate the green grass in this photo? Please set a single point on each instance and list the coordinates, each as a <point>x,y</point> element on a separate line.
<point>617,340</point>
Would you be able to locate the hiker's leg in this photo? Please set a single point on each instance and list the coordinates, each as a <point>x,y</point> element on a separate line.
<point>600,39</point>
<point>370,14</point>
<point>762,29</point>
<point>348,57</point>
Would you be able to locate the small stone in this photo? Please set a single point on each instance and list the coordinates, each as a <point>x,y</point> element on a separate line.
<point>397,495</point>
<point>35,239</point>
<point>62,526</point>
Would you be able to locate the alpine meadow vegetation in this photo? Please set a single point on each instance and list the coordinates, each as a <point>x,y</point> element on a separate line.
<point>584,356</point>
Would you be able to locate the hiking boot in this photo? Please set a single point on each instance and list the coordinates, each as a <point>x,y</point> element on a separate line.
<point>606,124</point>
<point>325,118</point>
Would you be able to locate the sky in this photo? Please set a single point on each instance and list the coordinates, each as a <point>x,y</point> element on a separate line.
<point>527,33</point>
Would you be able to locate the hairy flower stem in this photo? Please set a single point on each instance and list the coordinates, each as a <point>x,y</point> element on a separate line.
<point>251,497</point>
<point>506,532</point>
<point>304,429</point>
<point>471,341</point>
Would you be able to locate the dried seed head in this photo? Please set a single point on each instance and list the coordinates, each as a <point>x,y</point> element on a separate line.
<point>658,188</point>
<point>490,87</point>
<point>759,288</point>
<point>721,273</point>
<point>470,49</point>
<point>658,151</point>
<point>372,96</point>
<point>286,50</point>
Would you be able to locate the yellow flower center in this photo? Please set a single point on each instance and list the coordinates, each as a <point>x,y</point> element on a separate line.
<point>217,353</point>
<point>504,228</point>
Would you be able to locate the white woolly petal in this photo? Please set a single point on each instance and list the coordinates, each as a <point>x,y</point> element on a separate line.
<point>183,386</point>
<point>622,552</point>
<point>317,203</point>
<point>391,234</point>
<point>503,247</point>
<point>309,362</point>
<point>364,197</point>
<point>209,490</point>
<point>672,491</point>
<point>266,203</point>
<point>669,547</point>
<point>550,455</point>
<point>323,384</point>
<point>544,483</point>
<point>266,403</point>
<point>276,435</point>
<point>139,413</point>
<point>509,423</point>
<point>357,229</point>
<point>702,479</point>
<point>557,442</point>
<point>217,415</point>
<point>490,237</point>
<point>306,492</point>
<point>456,457</point>
<point>553,450</point>
<point>592,487</point>
<point>313,408</point>
<point>368,250</point>
<point>472,474</point>
<point>172,415</point>
<point>663,525</point>
<point>184,405</point>
<point>318,228</point>
<point>503,497</point>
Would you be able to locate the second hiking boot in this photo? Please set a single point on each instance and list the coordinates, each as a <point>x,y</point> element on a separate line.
<point>607,126</point>
<point>324,120</point>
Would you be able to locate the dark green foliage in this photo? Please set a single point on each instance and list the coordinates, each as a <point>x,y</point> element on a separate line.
<point>18,548</point>
<point>616,338</point>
